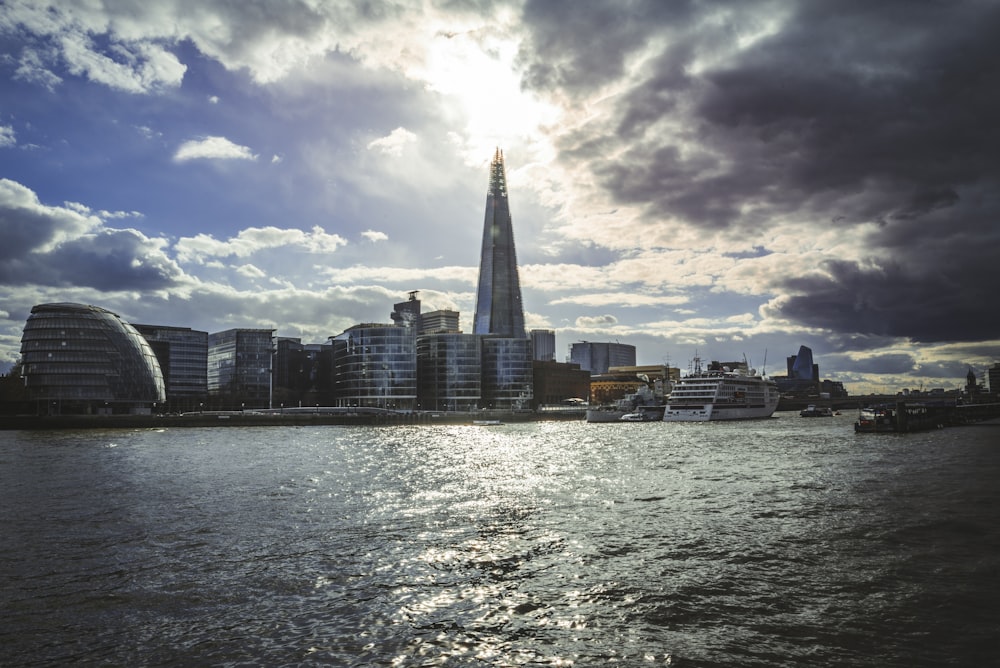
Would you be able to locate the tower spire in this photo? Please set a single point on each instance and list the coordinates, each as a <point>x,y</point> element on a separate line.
<point>498,298</point>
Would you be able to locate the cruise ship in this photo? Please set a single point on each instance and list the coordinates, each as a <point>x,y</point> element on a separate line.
<point>721,393</point>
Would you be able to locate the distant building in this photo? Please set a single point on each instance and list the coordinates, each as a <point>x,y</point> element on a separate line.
<point>598,358</point>
<point>86,360</point>
<point>183,356</point>
<point>407,314</point>
<point>439,322</point>
<point>555,382</point>
<point>607,388</point>
<point>993,379</point>
<point>375,365</point>
<point>239,368</point>
<point>801,366</point>
<point>543,345</point>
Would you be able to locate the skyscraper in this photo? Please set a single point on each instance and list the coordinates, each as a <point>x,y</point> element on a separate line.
<point>498,298</point>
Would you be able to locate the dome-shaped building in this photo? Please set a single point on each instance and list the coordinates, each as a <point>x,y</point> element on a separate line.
<point>84,359</point>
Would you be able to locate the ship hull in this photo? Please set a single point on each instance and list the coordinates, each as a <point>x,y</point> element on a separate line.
<point>716,412</point>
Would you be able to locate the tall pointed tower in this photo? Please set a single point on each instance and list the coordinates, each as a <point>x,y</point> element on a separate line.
<point>498,299</point>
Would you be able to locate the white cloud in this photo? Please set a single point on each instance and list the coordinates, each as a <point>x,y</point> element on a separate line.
<point>201,247</point>
<point>393,143</point>
<point>31,68</point>
<point>598,321</point>
<point>212,148</point>
<point>7,137</point>
<point>140,68</point>
<point>374,236</point>
<point>250,271</point>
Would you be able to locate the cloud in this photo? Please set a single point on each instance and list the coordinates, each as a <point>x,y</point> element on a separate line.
<point>31,68</point>
<point>201,247</point>
<point>69,246</point>
<point>374,236</point>
<point>250,271</point>
<point>135,68</point>
<point>596,321</point>
<point>393,143</point>
<point>7,137</point>
<point>212,148</point>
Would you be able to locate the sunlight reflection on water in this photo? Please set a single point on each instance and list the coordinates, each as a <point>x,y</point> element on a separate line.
<point>781,542</point>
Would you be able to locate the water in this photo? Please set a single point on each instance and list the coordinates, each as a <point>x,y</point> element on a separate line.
<point>785,542</point>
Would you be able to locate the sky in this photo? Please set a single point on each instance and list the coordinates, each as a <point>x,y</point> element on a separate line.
<point>722,179</point>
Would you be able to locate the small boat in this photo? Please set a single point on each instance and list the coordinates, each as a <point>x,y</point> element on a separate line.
<point>812,411</point>
<point>633,417</point>
<point>486,423</point>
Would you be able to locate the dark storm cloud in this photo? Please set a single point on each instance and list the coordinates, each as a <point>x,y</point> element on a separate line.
<point>849,113</point>
<point>54,246</point>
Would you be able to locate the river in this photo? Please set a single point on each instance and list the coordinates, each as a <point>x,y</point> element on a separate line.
<point>782,542</point>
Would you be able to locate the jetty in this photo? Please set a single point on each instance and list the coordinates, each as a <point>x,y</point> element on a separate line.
<point>902,417</point>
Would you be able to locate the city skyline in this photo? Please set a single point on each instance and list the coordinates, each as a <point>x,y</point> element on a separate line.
<point>723,179</point>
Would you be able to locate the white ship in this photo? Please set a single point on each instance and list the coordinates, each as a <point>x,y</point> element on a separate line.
<point>721,393</point>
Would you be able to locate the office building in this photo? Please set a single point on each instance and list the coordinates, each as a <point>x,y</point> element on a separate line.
<point>375,365</point>
<point>439,322</point>
<point>498,298</point>
<point>543,345</point>
<point>239,368</point>
<point>507,378</point>
<point>993,379</point>
<point>556,382</point>
<point>79,359</point>
<point>598,358</point>
<point>302,374</point>
<point>499,319</point>
<point>407,314</point>
<point>183,356</point>
<point>449,371</point>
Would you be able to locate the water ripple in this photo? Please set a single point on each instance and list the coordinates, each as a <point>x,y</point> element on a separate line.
<point>778,543</point>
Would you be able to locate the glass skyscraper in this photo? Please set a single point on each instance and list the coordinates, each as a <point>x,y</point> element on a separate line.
<point>506,367</point>
<point>498,299</point>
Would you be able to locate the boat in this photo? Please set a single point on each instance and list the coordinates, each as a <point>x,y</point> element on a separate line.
<point>486,423</point>
<point>646,402</point>
<point>644,414</point>
<point>721,393</point>
<point>812,411</point>
<point>900,417</point>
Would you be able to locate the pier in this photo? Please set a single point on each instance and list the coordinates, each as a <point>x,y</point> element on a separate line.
<point>902,417</point>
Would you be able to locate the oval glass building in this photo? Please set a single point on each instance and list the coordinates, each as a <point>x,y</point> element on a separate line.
<point>84,359</point>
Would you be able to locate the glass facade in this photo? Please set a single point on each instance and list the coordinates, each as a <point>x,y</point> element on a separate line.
<point>598,358</point>
<point>183,356</point>
<point>239,368</point>
<point>543,344</point>
<point>507,377</point>
<point>85,359</point>
<point>376,366</point>
<point>449,370</point>
<point>498,297</point>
